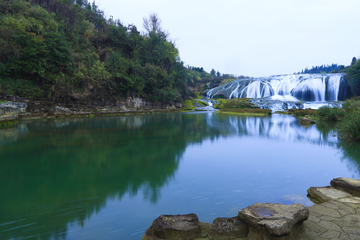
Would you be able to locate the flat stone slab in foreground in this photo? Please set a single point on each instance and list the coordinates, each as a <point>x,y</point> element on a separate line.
<point>335,219</point>
<point>277,219</point>
<point>324,194</point>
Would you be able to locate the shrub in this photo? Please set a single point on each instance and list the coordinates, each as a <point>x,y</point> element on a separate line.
<point>329,114</point>
<point>349,128</point>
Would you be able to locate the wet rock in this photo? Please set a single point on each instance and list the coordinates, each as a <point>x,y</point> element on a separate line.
<point>228,229</point>
<point>197,104</point>
<point>306,121</point>
<point>324,194</point>
<point>273,219</point>
<point>349,185</point>
<point>184,227</point>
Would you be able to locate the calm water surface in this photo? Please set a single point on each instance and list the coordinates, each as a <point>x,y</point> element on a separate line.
<point>109,178</point>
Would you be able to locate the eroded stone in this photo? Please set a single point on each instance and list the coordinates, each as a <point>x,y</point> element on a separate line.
<point>347,184</point>
<point>228,229</point>
<point>177,227</point>
<point>277,219</point>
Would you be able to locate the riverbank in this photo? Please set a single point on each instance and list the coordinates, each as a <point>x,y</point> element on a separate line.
<point>12,111</point>
<point>337,217</point>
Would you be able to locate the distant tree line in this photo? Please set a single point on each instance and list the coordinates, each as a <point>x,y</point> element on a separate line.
<point>322,69</point>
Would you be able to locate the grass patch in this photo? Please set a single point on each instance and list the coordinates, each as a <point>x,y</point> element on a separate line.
<point>8,124</point>
<point>3,101</point>
<point>235,103</point>
<point>189,104</point>
<point>247,111</point>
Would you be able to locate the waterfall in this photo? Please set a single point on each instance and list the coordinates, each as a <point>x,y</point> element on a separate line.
<point>292,87</point>
<point>333,87</point>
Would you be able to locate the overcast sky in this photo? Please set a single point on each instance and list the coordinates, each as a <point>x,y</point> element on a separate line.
<point>252,37</point>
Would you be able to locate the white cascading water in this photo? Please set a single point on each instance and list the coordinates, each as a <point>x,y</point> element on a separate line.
<point>293,87</point>
<point>333,87</point>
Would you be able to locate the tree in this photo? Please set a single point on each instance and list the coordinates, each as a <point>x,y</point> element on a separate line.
<point>353,61</point>
<point>213,73</point>
<point>152,25</point>
<point>218,74</point>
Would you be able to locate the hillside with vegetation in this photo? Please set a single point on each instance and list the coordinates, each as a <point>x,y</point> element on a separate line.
<point>63,49</point>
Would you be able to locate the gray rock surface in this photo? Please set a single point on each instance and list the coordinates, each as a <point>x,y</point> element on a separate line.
<point>228,229</point>
<point>177,227</point>
<point>349,185</point>
<point>276,219</point>
<point>62,110</point>
<point>324,194</point>
<point>306,121</point>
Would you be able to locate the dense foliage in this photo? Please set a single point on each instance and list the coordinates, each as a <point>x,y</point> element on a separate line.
<point>353,77</point>
<point>348,118</point>
<point>61,48</point>
<point>349,127</point>
<point>329,114</point>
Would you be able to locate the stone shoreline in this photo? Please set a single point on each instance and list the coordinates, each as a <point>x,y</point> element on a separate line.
<point>11,112</point>
<point>336,216</point>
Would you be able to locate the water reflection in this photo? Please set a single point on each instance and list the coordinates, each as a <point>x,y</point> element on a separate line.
<point>59,172</point>
<point>279,127</point>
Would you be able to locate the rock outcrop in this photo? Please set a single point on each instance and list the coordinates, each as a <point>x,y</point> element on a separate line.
<point>185,227</point>
<point>349,185</point>
<point>274,219</point>
<point>258,221</point>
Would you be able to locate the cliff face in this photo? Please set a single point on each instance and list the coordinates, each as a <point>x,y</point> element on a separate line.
<point>11,111</point>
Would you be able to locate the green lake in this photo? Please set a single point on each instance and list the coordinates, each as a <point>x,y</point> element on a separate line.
<point>110,177</point>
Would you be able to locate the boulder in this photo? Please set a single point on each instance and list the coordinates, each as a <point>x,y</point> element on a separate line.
<point>184,227</point>
<point>324,194</point>
<point>306,121</point>
<point>228,229</point>
<point>274,219</point>
<point>349,185</point>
